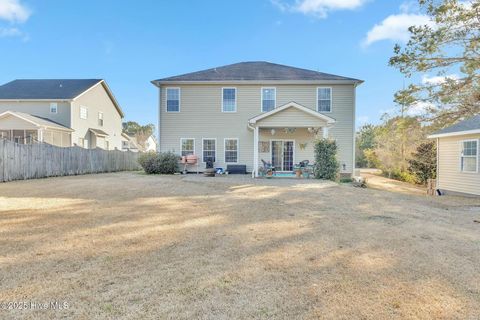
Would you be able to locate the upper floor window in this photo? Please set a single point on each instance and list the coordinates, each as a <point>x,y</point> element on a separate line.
<point>268,99</point>
<point>83,113</point>
<point>100,119</point>
<point>188,146</point>
<point>229,100</point>
<point>324,99</point>
<point>53,107</point>
<point>173,99</point>
<point>231,150</point>
<point>469,157</point>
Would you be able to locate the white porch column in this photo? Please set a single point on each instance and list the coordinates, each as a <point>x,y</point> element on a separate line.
<point>255,153</point>
<point>325,132</point>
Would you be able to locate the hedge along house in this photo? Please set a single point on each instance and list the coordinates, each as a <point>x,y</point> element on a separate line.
<point>61,112</point>
<point>244,113</point>
<point>458,157</point>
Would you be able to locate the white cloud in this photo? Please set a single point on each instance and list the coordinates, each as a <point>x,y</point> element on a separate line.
<point>13,11</point>
<point>395,28</point>
<point>9,32</point>
<point>438,79</point>
<point>420,108</point>
<point>318,8</point>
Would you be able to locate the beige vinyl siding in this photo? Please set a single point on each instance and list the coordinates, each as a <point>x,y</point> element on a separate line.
<point>97,100</point>
<point>40,109</point>
<point>291,117</point>
<point>450,176</point>
<point>13,123</point>
<point>200,117</point>
<point>301,136</point>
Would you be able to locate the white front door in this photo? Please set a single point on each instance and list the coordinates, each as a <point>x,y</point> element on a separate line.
<point>283,154</point>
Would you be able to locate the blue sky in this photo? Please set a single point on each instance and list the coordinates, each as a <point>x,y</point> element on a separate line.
<point>129,43</point>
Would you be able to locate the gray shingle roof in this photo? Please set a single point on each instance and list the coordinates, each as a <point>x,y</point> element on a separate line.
<point>256,71</point>
<point>46,88</point>
<point>465,125</point>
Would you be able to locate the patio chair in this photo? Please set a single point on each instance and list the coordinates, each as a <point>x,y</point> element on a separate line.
<point>268,167</point>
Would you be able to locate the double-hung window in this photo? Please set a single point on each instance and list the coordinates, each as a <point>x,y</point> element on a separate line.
<point>231,150</point>
<point>229,100</point>
<point>100,119</point>
<point>209,150</point>
<point>83,113</point>
<point>53,107</point>
<point>173,99</point>
<point>268,99</point>
<point>188,146</point>
<point>469,157</point>
<point>324,99</point>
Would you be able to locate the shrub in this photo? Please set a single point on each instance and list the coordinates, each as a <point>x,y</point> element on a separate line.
<point>326,164</point>
<point>400,175</point>
<point>159,163</point>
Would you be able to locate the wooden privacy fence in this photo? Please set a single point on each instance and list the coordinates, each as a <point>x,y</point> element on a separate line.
<point>30,161</point>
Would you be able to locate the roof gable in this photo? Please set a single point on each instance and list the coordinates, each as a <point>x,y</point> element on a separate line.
<point>256,71</point>
<point>35,120</point>
<point>293,105</point>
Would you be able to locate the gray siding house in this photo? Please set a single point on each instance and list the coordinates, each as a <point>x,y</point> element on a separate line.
<point>252,111</point>
<point>458,157</point>
<point>61,112</point>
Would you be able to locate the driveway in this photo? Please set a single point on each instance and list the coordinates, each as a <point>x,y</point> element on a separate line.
<point>131,246</point>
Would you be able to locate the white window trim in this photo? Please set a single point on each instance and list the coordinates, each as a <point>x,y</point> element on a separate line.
<point>179,99</point>
<point>102,118</point>
<point>181,144</point>
<point>216,148</point>
<point>462,156</point>
<point>56,107</point>
<point>261,98</point>
<point>331,100</point>
<point>223,110</point>
<point>86,112</point>
<point>225,150</point>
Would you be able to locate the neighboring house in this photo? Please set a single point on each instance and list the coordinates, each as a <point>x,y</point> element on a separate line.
<point>251,111</point>
<point>63,112</point>
<point>458,157</point>
<point>131,143</point>
<point>151,144</point>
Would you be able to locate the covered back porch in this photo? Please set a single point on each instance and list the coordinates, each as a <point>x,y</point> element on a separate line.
<point>284,138</point>
<point>24,128</point>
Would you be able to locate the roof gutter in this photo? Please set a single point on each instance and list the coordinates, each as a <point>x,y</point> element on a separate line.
<point>158,83</point>
<point>453,134</point>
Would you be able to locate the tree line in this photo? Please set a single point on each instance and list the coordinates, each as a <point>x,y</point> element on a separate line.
<point>449,47</point>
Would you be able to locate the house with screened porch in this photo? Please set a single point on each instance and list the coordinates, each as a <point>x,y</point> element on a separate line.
<point>61,112</point>
<point>243,113</point>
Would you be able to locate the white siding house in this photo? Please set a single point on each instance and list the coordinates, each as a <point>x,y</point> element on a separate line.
<point>458,157</point>
<point>252,111</point>
<point>62,112</point>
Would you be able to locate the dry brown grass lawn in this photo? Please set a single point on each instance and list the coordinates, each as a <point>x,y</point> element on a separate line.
<point>130,246</point>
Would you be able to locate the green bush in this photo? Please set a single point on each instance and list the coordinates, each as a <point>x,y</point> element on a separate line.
<point>326,164</point>
<point>400,175</point>
<point>159,163</point>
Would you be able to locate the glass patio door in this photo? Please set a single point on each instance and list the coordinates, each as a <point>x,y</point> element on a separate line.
<point>282,155</point>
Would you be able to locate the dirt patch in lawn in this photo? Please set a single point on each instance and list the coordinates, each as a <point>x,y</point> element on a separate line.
<point>131,246</point>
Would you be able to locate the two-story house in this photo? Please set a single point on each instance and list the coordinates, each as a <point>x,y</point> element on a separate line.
<point>61,112</point>
<point>252,111</point>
